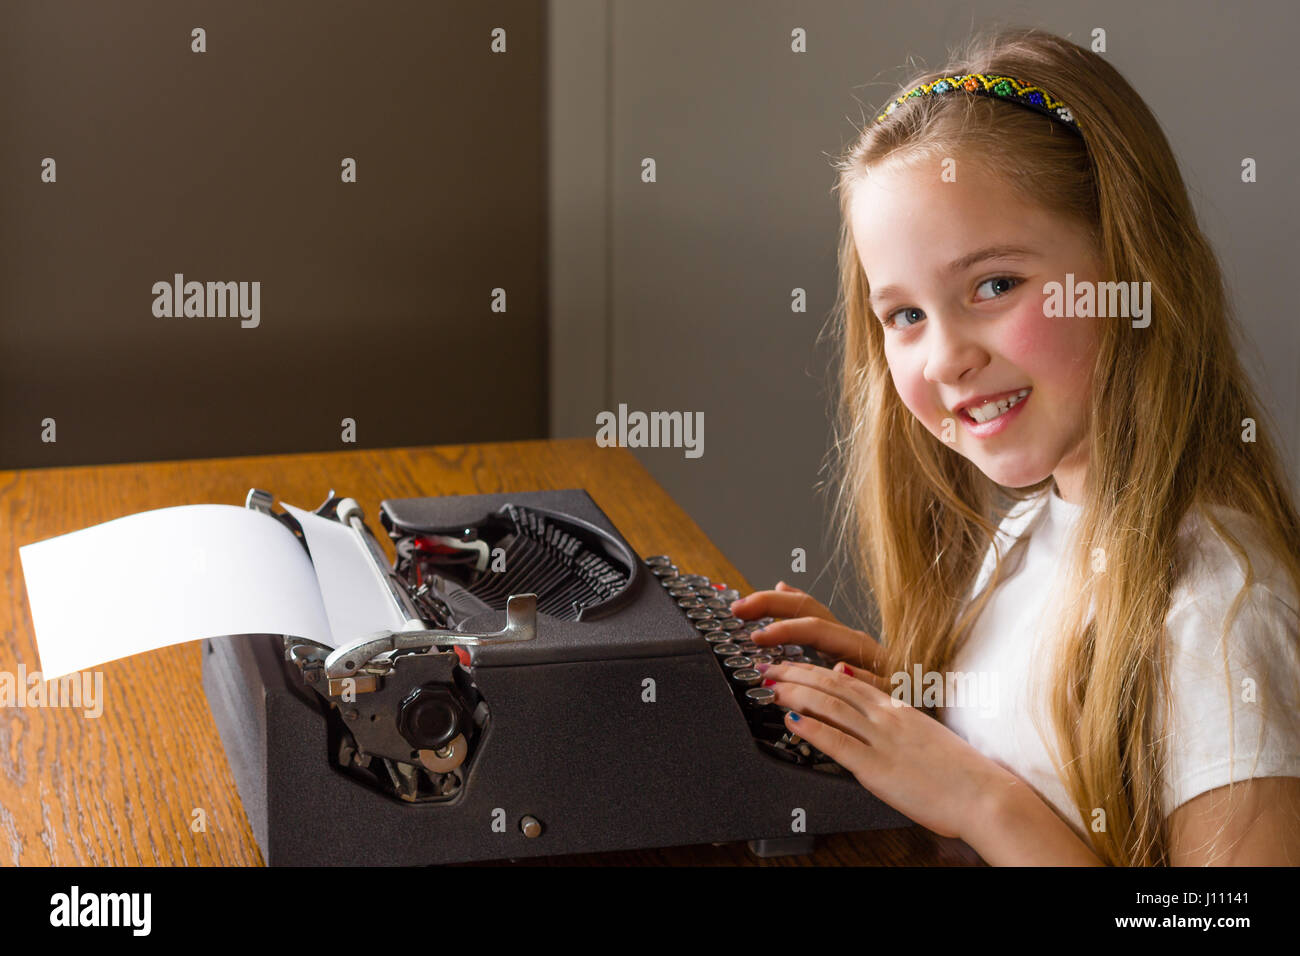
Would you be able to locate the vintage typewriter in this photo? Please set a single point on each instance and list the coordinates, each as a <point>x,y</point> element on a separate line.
<point>551,693</point>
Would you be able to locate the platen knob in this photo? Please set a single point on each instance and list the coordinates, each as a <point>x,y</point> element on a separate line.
<point>431,716</point>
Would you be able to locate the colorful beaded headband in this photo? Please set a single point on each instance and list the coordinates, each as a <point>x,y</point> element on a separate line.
<point>998,87</point>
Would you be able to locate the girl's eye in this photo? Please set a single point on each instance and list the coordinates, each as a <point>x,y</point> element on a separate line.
<point>1005,283</point>
<point>912,313</point>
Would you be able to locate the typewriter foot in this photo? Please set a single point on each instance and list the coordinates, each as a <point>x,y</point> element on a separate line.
<point>783,846</point>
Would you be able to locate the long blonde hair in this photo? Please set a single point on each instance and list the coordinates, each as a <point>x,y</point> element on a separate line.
<point>1165,418</point>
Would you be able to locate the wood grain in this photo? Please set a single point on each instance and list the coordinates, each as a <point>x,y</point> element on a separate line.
<point>121,789</point>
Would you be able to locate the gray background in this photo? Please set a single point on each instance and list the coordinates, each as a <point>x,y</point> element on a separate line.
<point>691,299</point>
<point>225,166</point>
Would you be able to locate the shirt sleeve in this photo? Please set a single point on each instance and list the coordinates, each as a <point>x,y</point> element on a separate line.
<point>1236,718</point>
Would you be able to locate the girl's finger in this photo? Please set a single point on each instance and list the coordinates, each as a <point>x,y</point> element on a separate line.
<point>826,708</point>
<point>859,695</point>
<point>864,675</point>
<point>780,603</point>
<point>832,639</point>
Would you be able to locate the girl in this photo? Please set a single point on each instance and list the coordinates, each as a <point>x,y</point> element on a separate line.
<point>1135,608</point>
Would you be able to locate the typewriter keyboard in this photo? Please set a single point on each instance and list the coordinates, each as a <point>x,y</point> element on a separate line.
<point>708,607</point>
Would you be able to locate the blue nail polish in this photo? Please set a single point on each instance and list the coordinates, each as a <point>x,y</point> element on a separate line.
<point>793,716</point>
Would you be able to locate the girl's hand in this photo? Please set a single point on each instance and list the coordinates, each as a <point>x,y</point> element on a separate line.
<point>810,624</point>
<point>902,755</point>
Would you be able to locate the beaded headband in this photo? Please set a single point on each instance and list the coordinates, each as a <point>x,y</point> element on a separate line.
<point>998,87</point>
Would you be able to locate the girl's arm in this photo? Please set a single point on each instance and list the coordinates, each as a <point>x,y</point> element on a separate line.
<point>1252,823</point>
<point>1018,828</point>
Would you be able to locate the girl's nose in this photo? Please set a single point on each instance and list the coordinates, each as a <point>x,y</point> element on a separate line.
<point>952,351</point>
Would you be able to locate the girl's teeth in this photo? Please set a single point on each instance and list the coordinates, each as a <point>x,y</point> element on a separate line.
<point>991,410</point>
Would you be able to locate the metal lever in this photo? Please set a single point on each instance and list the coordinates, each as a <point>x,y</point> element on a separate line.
<point>521,625</point>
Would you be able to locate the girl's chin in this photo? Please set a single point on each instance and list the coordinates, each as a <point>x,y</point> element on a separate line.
<point>1010,474</point>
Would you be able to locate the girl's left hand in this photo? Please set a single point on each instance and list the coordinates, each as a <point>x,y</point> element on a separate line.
<point>901,754</point>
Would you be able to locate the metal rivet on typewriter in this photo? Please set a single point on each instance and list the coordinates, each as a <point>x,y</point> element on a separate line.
<point>531,827</point>
<point>726,650</point>
<point>737,662</point>
<point>747,676</point>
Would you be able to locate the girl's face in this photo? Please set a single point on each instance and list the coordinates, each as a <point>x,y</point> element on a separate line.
<point>956,272</point>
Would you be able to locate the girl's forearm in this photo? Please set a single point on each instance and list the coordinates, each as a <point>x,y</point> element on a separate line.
<point>1017,828</point>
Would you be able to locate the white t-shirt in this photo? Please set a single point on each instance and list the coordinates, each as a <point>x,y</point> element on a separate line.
<point>1008,646</point>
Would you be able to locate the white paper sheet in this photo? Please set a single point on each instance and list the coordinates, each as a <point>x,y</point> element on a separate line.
<point>173,575</point>
<point>356,600</point>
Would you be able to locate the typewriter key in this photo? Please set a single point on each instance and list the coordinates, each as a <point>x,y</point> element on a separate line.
<point>688,602</point>
<point>760,659</point>
<point>709,624</point>
<point>737,662</point>
<point>717,637</point>
<point>726,650</point>
<point>674,582</point>
<point>655,560</point>
<point>729,595</point>
<point>699,614</point>
<point>731,625</point>
<point>749,647</point>
<point>680,593</point>
<point>760,695</point>
<point>747,676</point>
<point>714,604</point>
<point>664,571</point>
<point>695,579</point>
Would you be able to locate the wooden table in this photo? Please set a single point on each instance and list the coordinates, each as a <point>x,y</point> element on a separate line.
<point>121,789</point>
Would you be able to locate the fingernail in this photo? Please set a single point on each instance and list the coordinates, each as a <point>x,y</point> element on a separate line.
<point>758,630</point>
<point>761,667</point>
<point>793,716</point>
<point>847,669</point>
<point>769,682</point>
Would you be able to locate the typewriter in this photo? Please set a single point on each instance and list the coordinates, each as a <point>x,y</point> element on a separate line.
<point>551,692</point>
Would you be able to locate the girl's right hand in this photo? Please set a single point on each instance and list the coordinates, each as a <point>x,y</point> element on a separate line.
<point>807,622</point>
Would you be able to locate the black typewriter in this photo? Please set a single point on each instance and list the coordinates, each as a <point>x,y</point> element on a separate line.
<point>549,693</point>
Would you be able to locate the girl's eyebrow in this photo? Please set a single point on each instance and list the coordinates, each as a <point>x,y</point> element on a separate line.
<point>1002,251</point>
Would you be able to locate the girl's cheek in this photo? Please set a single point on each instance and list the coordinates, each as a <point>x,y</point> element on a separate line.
<point>916,393</point>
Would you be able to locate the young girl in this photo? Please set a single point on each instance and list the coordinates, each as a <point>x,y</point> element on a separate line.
<point>1135,607</point>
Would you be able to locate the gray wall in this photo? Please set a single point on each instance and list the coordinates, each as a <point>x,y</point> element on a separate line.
<point>225,166</point>
<point>676,295</point>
